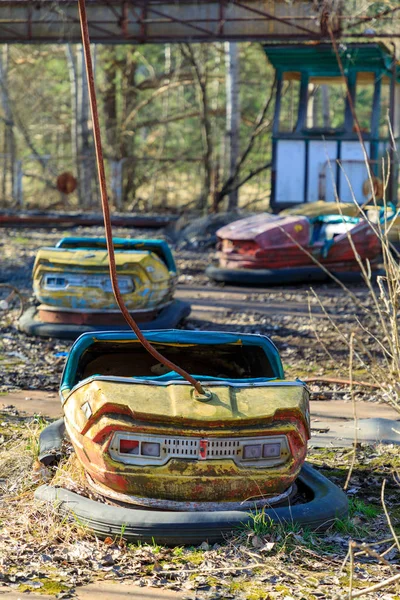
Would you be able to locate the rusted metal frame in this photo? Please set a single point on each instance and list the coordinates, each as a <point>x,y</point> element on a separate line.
<point>262,38</point>
<point>121,19</point>
<point>221,18</point>
<point>12,31</point>
<point>144,20</point>
<point>75,20</point>
<point>125,19</point>
<point>171,19</point>
<point>270,17</point>
<point>112,8</point>
<point>141,20</point>
<point>113,38</point>
<point>367,19</point>
<point>376,35</point>
<point>29,23</point>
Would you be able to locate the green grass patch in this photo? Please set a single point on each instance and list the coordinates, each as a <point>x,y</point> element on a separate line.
<point>49,586</point>
<point>358,507</point>
<point>194,558</point>
<point>23,241</point>
<point>349,527</point>
<point>249,590</point>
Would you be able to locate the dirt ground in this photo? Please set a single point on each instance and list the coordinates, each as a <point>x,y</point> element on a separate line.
<point>312,329</point>
<point>302,321</point>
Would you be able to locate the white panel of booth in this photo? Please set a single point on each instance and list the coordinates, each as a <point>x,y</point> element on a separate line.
<point>353,165</point>
<point>290,171</point>
<point>322,167</point>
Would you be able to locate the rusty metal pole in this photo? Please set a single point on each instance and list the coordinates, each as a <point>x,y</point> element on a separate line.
<point>106,208</point>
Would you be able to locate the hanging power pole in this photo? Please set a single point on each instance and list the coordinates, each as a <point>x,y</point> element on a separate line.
<point>232,115</point>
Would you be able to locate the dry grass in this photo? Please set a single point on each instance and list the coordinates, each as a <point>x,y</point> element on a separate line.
<point>360,551</point>
<point>22,517</point>
<point>374,336</point>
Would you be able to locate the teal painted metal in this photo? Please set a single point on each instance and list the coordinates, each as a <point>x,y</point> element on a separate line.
<point>320,59</point>
<point>174,336</point>
<point>159,247</point>
<point>364,63</point>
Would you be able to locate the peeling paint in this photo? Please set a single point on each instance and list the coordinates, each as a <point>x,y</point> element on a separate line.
<point>255,412</point>
<point>154,283</point>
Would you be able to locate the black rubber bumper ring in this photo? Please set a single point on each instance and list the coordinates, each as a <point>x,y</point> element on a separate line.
<point>191,528</point>
<point>266,277</point>
<point>167,318</point>
<point>50,442</point>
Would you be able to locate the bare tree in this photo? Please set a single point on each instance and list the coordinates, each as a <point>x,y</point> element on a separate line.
<point>7,184</point>
<point>200,72</point>
<point>235,181</point>
<point>73,79</point>
<point>84,133</point>
<point>232,116</point>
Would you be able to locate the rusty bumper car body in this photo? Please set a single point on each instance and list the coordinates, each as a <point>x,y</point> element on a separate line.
<point>274,249</point>
<point>375,214</point>
<point>71,281</point>
<point>173,467</point>
<point>144,438</point>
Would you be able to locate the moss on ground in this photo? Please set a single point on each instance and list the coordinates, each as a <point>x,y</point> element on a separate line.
<point>248,589</point>
<point>49,586</point>
<point>194,558</point>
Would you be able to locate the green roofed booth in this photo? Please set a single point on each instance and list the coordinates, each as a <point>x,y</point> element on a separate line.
<point>316,149</point>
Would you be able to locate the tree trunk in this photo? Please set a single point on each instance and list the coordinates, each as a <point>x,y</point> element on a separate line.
<point>109,96</point>
<point>127,138</point>
<point>73,79</point>
<point>232,115</point>
<point>7,184</point>
<point>325,106</point>
<point>84,133</point>
<point>200,71</point>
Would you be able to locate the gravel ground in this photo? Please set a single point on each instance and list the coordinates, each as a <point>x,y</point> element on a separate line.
<point>40,553</point>
<point>310,345</point>
<point>43,552</point>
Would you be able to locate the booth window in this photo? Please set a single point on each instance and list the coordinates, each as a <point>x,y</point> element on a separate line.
<point>384,112</point>
<point>364,102</point>
<point>290,97</point>
<point>326,104</point>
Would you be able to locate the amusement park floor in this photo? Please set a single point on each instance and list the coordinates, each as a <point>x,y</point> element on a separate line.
<point>102,591</point>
